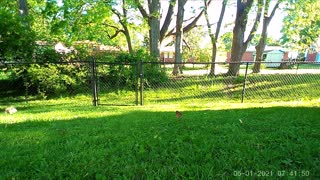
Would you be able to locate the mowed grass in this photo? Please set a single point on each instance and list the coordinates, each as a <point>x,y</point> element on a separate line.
<point>68,139</point>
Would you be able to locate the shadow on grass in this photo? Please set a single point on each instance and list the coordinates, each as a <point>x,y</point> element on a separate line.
<point>142,144</point>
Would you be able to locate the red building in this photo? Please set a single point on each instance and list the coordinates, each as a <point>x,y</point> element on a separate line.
<point>167,54</point>
<point>247,56</point>
<point>311,57</point>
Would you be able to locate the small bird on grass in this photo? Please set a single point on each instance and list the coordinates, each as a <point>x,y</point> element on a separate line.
<point>178,114</point>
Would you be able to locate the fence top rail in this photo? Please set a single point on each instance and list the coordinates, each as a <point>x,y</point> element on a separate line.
<point>28,63</point>
<point>152,62</point>
<point>66,62</point>
<point>242,62</point>
<point>116,63</point>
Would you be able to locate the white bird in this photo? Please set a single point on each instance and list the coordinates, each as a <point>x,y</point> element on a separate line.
<point>11,110</point>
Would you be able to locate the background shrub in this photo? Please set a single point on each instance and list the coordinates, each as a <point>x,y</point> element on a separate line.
<point>57,79</point>
<point>124,72</point>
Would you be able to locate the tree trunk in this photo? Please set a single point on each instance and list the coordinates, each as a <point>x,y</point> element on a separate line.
<point>124,23</point>
<point>213,58</point>
<point>128,38</point>
<point>214,38</point>
<point>236,53</point>
<point>153,19</point>
<point>24,12</point>
<point>154,24</point>
<point>239,46</point>
<point>262,42</point>
<point>260,49</point>
<point>23,8</point>
<point>179,37</point>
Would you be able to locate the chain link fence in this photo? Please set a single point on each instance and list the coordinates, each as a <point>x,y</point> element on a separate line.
<point>298,81</point>
<point>117,83</point>
<point>154,83</point>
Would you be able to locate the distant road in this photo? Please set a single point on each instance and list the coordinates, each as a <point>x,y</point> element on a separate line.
<point>220,70</point>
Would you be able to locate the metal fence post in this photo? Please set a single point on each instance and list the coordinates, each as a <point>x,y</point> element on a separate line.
<point>26,85</point>
<point>244,83</point>
<point>94,82</point>
<point>137,83</point>
<point>141,83</point>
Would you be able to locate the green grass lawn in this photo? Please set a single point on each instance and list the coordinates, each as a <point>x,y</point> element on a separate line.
<point>68,139</point>
<point>309,66</point>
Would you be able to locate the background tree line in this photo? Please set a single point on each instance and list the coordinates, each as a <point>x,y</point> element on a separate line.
<point>138,24</point>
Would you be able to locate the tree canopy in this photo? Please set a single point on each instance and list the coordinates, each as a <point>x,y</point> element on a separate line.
<point>16,39</point>
<point>301,24</point>
<point>136,24</point>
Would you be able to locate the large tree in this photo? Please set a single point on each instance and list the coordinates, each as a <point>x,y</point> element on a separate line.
<point>263,38</point>
<point>152,17</point>
<point>123,20</point>
<point>107,22</point>
<point>301,26</point>
<point>180,30</point>
<point>239,43</point>
<point>16,36</point>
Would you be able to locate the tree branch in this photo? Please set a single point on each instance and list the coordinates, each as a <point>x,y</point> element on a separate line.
<point>255,25</point>
<point>142,10</point>
<point>110,25</point>
<point>223,9</point>
<point>117,13</point>
<point>187,44</point>
<point>273,12</point>
<point>167,21</point>
<point>191,25</point>
<point>117,29</point>
<point>115,34</point>
<point>194,22</point>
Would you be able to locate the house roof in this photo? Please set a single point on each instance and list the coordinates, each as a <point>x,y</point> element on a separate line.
<point>100,47</point>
